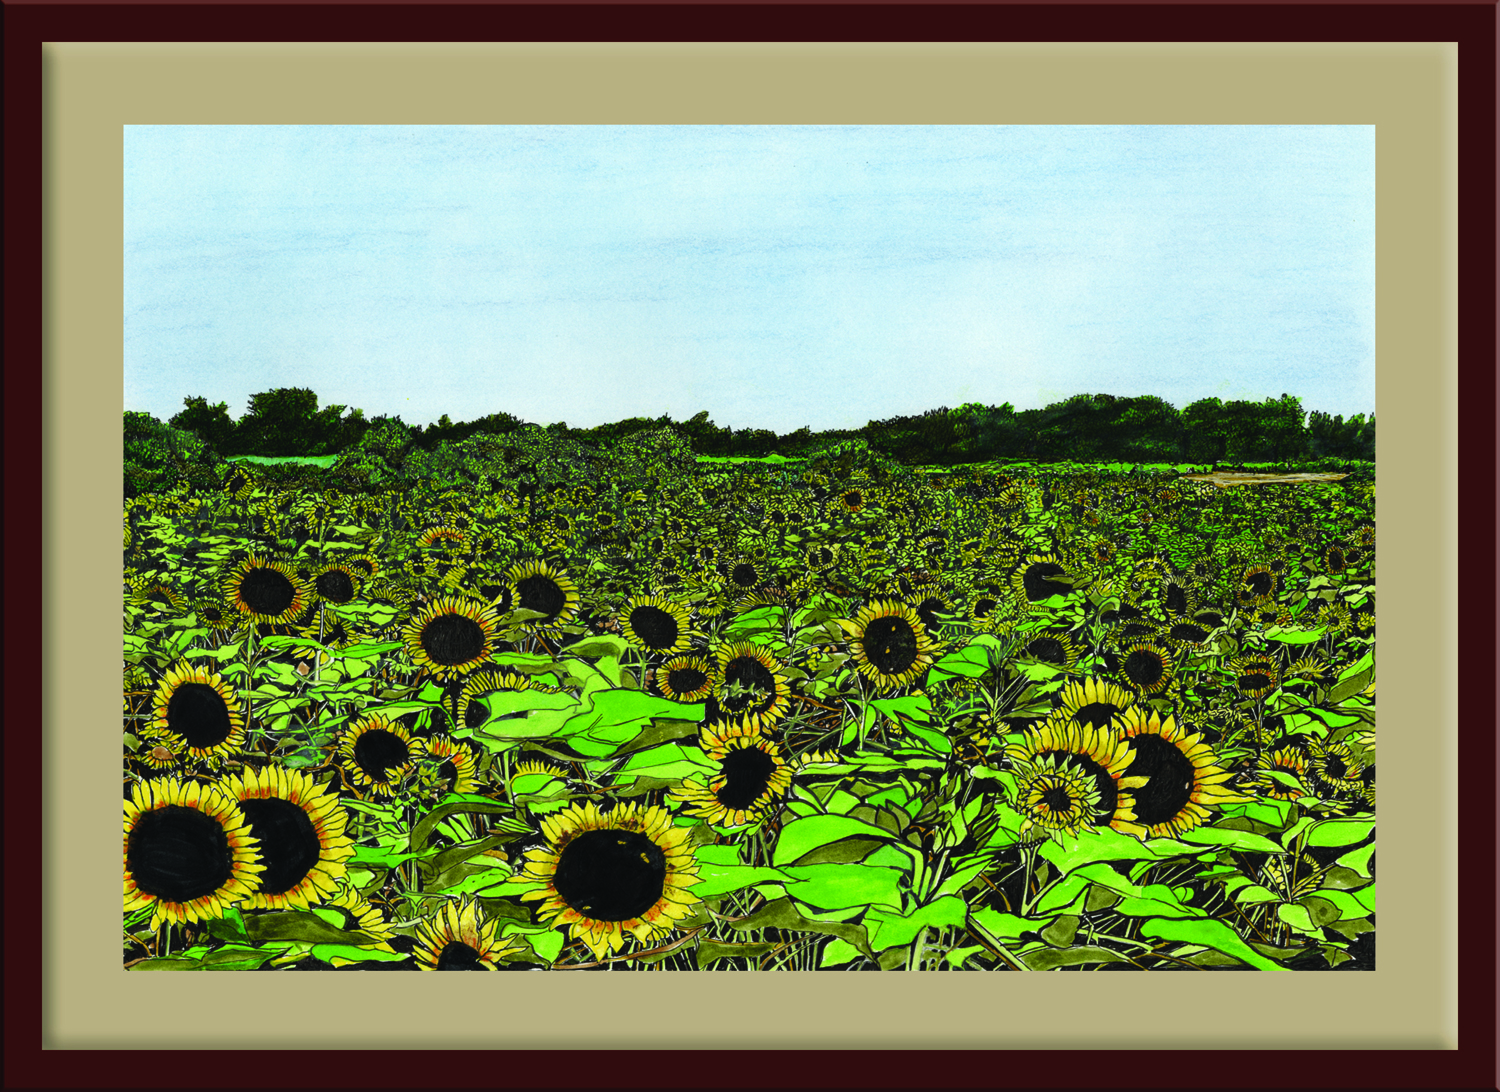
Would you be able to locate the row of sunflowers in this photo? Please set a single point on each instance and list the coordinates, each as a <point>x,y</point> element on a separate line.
<point>834,715</point>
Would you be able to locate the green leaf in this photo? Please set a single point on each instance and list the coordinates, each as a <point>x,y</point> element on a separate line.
<point>302,926</point>
<point>802,836</point>
<point>467,805</point>
<point>844,851</point>
<point>368,652</point>
<point>1061,932</point>
<point>840,886</point>
<point>781,914</point>
<point>711,951</point>
<point>1234,839</point>
<point>1340,832</point>
<point>721,873</point>
<point>1295,636</point>
<point>230,927</point>
<point>385,856</point>
<point>893,930</point>
<point>340,954</point>
<point>618,719</point>
<point>1352,681</point>
<point>1211,933</point>
<point>1046,959</point>
<point>1104,844</point>
<point>1358,860</point>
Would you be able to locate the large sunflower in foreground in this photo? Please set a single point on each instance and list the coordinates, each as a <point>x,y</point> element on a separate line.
<point>889,644</point>
<point>1062,743</point>
<point>750,780</point>
<point>266,590</point>
<point>1055,797</point>
<point>548,591</point>
<point>300,827</point>
<point>605,874</point>
<point>460,937</point>
<point>656,625</point>
<point>750,683</point>
<point>376,755</point>
<point>188,851</point>
<point>196,713</point>
<point>451,636</point>
<point>1175,775</point>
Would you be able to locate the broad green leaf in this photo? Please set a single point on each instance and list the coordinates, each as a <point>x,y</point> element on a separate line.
<point>1358,860</point>
<point>1235,839</point>
<point>720,872</point>
<point>781,914</point>
<point>1211,933</point>
<point>890,930</point>
<point>343,954</point>
<point>802,836</point>
<point>367,651</point>
<point>1105,844</point>
<point>1295,636</point>
<point>1339,832</point>
<point>1045,959</point>
<point>711,951</point>
<point>839,886</point>
<point>303,926</point>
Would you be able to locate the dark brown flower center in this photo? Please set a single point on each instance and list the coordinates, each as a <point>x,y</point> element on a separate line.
<point>198,713</point>
<point>1170,775</point>
<point>611,875</point>
<point>178,854</point>
<point>747,774</point>
<point>377,752</point>
<point>267,592</point>
<point>335,586</point>
<point>451,639</point>
<point>289,845</point>
<point>890,644</point>
<point>542,594</point>
<point>653,627</point>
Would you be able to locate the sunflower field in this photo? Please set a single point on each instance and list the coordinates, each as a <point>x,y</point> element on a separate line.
<point>535,706</point>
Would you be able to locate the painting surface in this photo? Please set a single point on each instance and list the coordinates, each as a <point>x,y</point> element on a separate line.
<point>852,548</point>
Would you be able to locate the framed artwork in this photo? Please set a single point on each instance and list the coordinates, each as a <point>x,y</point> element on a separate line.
<point>854,697</point>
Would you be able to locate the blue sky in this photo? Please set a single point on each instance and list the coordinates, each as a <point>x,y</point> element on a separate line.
<point>777,276</point>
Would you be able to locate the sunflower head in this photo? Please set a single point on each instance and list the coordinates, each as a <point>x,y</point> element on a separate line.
<point>750,780</point>
<point>197,714</point>
<point>301,828</point>
<point>605,874</point>
<point>889,643</point>
<point>539,587</point>
<point>1053,648</point>
<point>1146,667</point>
<point>1095,702</point>
<point>1056,797</point>
<point>377,755</point>
<point>1174,774</point>
<point>452,636</point>
<point>656,625</point>
<point>460,937</point>
<point>266,590</point>
<point>1255,675</point>
<point>189,852</point>
<point>337,583</point>
<point>1039,577</point>
<point>1288,761</point>
<point>685,678</point>
<point>749,683</point>
<point>447,766</point>
<point>1097,753</point>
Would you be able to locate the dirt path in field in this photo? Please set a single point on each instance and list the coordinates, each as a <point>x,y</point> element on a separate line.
<point>1250,477</point>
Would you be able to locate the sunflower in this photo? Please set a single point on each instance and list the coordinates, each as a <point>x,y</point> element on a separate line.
<point>1054,796</point>
<point>376,755</point>
<point>441,536</point>
<point>656,625</point>
<point>301,830</point>
<point>1189,634</point>
<point>266,590</point>
<point>889,643</point>
<point>460,937</point>
<point>451,636</point>
<point>197,712</point>
<point>1284,760</point>
<point>162,752</point>
<point>221,621</point>
<point>605,874</point>
<point>1258,584</point>
<point>749,683</point>
<point>1334,768</point>
<point>188,851</point>
<point>1255,675</point>
<point>1146,667</point>
<point>336,583</point>
<point>751,778</point>
<point>450,765</point>
<point>1175,774</point>
<point>1052,648</point>
<point>360,916</point>
<point>548,591</point>
<point>1039,577</point>
<point>686,679</point>
<point>1095,702</point>
<point>1096,753</point>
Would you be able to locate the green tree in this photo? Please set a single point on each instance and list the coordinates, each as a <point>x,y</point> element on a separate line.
<point>211,424</point>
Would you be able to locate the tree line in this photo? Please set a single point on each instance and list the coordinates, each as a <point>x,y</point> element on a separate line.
<point>1086,428</point>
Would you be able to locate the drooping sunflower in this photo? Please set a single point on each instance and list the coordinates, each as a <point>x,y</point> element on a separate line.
<point>376,755</point>
<point>1039,577</point>
<point>1176,778</point>
<point>687,679</point>
<point>889,643</point>
<point>452,636</point>
<point>449,765</point>
<point>1283,760</point>
<point>266,590</point>
<point>197,711</point>
<point>605,874</point>
<point>1052,648</point>
<point>301,829</point>
<point>461,937</point>
<point>441,536</point>
<point>1094,702</point>
<point>471,711</point>
<point>749,683</point>
<point>548,591</point>
<point>188,851</point>
<point>1255,675</point>
<point>1146,667</point>
<point>751,778</point>
<point>161,752</point>
<point>1098,753</point>
<point>1334,768</point>
<point>655,624</point>
<point>221,621</point>
<point>360,916</point>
